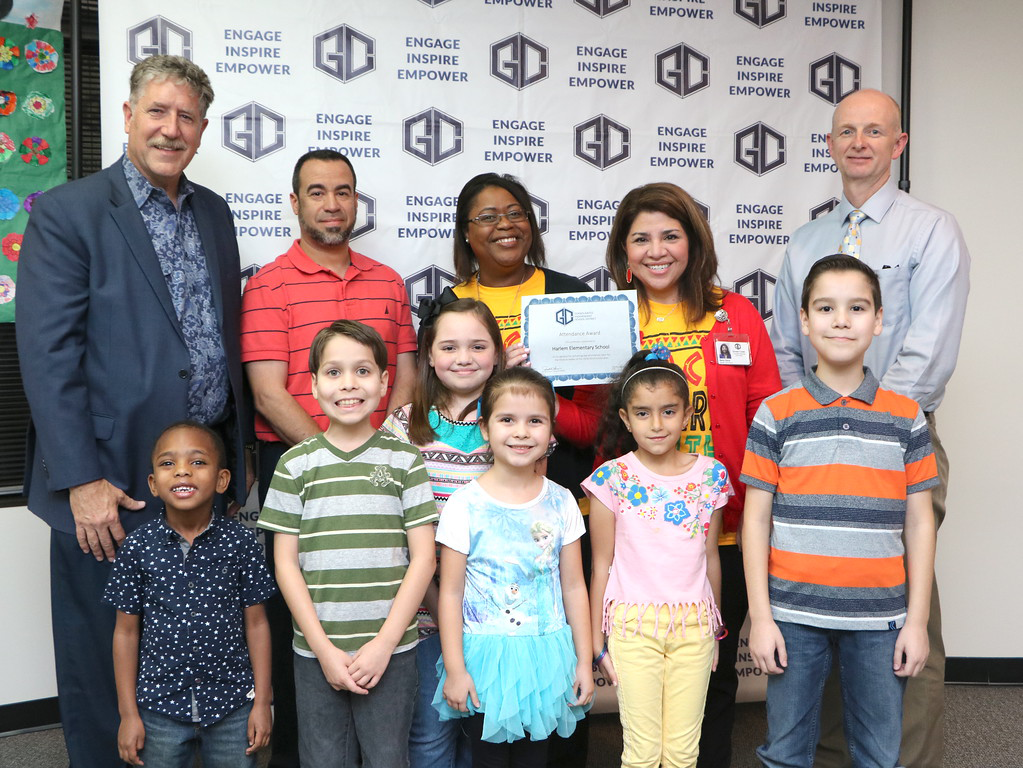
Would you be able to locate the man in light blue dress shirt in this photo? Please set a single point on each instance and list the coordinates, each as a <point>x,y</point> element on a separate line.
<point>921,258</point>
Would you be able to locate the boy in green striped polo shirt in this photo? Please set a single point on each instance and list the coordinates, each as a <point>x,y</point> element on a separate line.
<point>353,509</point>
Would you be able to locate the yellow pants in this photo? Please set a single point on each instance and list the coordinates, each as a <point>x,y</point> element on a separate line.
<point>662,686</point>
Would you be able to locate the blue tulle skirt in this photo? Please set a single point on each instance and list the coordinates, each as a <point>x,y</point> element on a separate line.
<point>524,685</point>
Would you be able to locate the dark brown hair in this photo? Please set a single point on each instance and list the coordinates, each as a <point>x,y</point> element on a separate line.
<point>429,389</point>
<point>697,284</point>
<point>359,332</point>
<point>520,381</point>
<point>329,155</point>
<point>840,262</point>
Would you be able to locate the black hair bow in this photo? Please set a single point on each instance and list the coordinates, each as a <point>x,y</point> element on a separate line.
<point>429,308</point>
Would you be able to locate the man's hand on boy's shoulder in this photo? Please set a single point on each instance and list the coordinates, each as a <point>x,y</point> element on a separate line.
<point>767,646</point>
<point>131,737</point>
<point>911,649</point>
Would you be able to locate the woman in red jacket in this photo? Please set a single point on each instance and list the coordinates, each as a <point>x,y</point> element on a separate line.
<point>661,245</point>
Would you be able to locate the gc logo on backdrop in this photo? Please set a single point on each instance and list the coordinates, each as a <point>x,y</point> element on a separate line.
<point>432,136</point>
<point>247,272</point>
<point>541,209</point>
<point>602,142</point>
<point>759,148</point>
<point>758,287</point>
<point>599,279</point>
<point>760,12</point>
<point>158,36</point>
<point>518,61</point>
<point>253,131</point>
<point>833,78</point>
<point>365,215</point>
<point>603,8</point>
<point>427,284</point>
<point>682,70</point>
<point>345,53</point>
<point>824,208</point>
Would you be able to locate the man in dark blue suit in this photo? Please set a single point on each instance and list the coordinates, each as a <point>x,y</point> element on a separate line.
<point>127,320</point>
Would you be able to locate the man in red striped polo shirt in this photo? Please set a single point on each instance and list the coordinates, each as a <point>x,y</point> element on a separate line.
<point>320,279</point>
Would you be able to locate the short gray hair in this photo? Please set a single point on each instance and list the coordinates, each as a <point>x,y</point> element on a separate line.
<point>175,68</point>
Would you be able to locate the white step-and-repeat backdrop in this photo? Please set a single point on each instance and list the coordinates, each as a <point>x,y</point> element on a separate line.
<point>583,101</point>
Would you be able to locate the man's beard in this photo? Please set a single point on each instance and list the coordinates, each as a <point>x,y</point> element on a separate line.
<point>330,235</point>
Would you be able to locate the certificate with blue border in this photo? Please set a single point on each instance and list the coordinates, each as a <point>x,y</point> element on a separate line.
<point>580,338</point>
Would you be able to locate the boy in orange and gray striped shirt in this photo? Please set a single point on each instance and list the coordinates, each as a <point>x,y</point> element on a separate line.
<point>838,475</point>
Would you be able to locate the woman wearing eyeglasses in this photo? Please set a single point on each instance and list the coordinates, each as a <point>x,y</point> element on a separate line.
<point>499,257</point>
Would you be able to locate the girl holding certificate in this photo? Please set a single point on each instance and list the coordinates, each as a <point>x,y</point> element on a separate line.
<point>661,245</point>
<point>499,257</point>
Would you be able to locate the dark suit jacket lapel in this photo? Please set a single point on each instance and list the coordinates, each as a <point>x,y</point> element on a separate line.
<point>209,237</point>
<point>129,220</point>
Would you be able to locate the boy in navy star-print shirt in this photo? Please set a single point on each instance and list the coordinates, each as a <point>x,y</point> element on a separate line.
<point>191,644</point>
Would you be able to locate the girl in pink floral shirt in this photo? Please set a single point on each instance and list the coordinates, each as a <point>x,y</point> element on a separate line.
<point>656,574</point>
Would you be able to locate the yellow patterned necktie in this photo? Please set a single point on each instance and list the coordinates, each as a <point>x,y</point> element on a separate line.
<point>851,242</point>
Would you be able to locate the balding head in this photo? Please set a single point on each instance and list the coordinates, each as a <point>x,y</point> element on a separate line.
<point>866,135</point>
<point>876,102</point>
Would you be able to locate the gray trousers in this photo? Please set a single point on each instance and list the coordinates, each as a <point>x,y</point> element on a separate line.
<point>336,727</point>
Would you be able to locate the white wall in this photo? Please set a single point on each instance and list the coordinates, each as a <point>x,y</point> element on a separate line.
<point>965,138</point>
<point>26,647</point>
<point>966,118</point>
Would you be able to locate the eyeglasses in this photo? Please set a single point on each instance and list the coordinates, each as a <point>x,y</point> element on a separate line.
<point>490,219</point>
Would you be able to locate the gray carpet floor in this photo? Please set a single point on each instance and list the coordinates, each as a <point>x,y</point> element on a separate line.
<point>983,729</point>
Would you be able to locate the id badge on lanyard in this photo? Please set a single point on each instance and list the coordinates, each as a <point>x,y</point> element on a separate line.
<point>731,348</point>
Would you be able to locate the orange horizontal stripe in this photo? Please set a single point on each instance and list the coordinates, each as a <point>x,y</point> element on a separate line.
<point>895,404</point>
<point>918,471</point>
<point>759,467</point>
<point>828,571</point>
<point>787,405</point>
<point>797,400</point>
<point>844,480</point>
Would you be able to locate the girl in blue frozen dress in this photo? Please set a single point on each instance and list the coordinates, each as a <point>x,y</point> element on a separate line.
<point>514,615</point>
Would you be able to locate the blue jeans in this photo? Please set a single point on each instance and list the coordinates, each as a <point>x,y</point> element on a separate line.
<point>173,743</point>
<point>433,742</point>
<point>335,727</point>
<point>871,696</point>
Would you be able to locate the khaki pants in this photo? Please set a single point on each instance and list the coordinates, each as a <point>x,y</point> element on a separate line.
<point>662,684</point>
<point>923,706</point>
